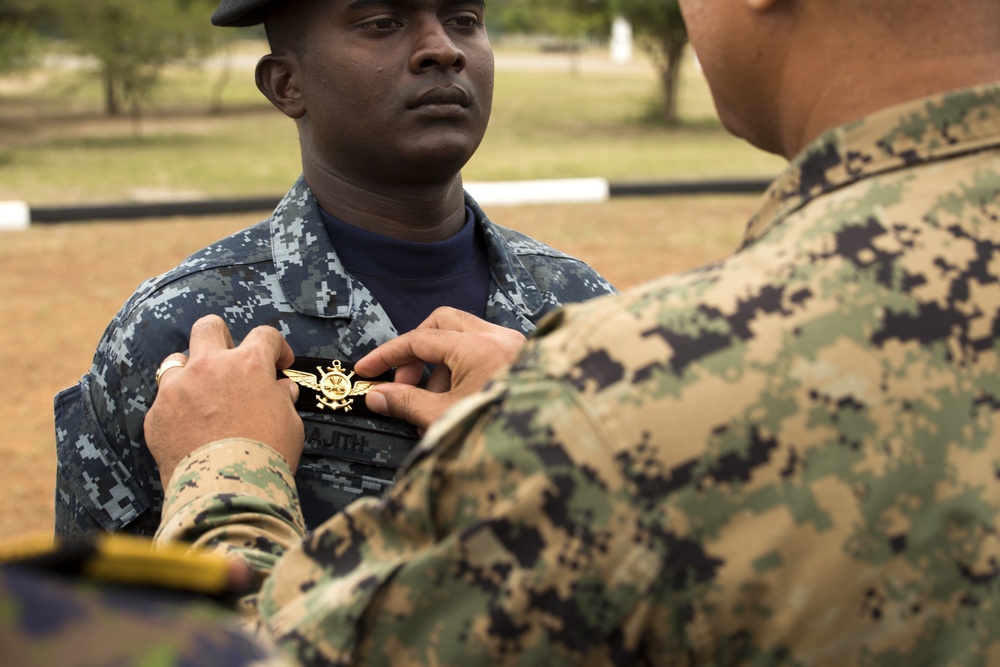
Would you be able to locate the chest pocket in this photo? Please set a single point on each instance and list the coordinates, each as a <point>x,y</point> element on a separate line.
<point>347,457</point>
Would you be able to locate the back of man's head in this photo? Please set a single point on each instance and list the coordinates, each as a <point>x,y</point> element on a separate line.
<point>782,71</point>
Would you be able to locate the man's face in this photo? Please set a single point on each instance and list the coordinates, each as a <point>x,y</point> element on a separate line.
<point>395,91</point>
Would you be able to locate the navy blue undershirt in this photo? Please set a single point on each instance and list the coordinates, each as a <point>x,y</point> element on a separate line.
<point>411,279</point>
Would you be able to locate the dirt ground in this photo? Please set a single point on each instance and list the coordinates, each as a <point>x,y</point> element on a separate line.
<point>61,284</point>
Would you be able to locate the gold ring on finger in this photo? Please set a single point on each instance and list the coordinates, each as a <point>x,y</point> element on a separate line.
<point>166,366</point>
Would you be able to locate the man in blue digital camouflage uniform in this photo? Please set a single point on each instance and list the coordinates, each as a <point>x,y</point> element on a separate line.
<point>375,234</point>
<point>788,457</point>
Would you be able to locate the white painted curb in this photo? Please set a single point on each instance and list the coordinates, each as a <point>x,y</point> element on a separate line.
<point>554,191</point>
<point>14,216</point>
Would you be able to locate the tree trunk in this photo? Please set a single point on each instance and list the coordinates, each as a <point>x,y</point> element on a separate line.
<point>575,50</point>
<point>136,116</point>
<point>669,79</point>
<point>215,104</point>
<point>112,101</point>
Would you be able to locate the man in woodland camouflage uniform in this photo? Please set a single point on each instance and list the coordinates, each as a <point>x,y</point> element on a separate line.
<point>375,234</point>
<point>791,456</point>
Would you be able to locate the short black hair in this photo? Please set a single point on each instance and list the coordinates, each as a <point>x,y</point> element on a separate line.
<point>284,25</point>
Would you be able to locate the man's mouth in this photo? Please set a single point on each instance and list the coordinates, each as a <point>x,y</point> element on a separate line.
<point>450,96</point>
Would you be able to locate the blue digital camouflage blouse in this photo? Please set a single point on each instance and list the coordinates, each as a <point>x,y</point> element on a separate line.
<point>284,273</point>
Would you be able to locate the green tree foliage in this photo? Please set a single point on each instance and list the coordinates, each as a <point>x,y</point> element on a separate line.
<point>660,27</point>
<point>133,40</point>
<point>570,20</point>
<point>657,24</point>
<point>18,43</point>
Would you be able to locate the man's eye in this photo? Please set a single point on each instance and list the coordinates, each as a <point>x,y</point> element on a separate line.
<point>380,24</point>
<point>464,22</point>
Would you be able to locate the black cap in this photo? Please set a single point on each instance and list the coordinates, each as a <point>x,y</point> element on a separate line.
<point>239,13</point>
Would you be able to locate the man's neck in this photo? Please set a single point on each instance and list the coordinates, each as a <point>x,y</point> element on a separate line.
<point>422,213</point>
<point>878,69</point>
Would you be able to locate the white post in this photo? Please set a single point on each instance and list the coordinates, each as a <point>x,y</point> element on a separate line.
<point>621,41</point>
<point>14,216</point>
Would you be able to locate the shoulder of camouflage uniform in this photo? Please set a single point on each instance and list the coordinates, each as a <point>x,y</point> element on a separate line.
<point>246,247</point>
<point>549,265</point>
<point>901,136</point>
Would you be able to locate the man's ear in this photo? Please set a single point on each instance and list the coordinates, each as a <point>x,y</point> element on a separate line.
<point>277,78</point>
<point>760,5</point>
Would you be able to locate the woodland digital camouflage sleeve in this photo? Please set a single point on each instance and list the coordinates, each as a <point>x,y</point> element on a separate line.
<point>426,576</point>
<point>234,497</point>
<point>499,546</point>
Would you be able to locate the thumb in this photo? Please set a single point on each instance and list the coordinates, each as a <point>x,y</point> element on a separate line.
<point>293,389</point>
<point>401,401</point>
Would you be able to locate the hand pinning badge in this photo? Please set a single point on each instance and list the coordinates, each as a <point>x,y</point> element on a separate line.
<point>334,387</point>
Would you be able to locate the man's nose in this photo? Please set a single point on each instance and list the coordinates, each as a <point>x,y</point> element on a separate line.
<point>434,47</point>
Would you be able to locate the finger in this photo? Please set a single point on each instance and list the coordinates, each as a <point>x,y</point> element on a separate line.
<point>416,406</point>
<point>239,576</point>
<point>423,345</point>
<point>176,356</point>
<point>170,364</point>
<point>440,380</point>
<point>452,319</point>
<point>410,374</point>
<point>272,345</point>
<point>293,389</point>
<point>378,361</point>
<point>210,333</point>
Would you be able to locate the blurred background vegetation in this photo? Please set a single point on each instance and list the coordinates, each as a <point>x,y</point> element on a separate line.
<point>133,41</point>
<point>119,100</point>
